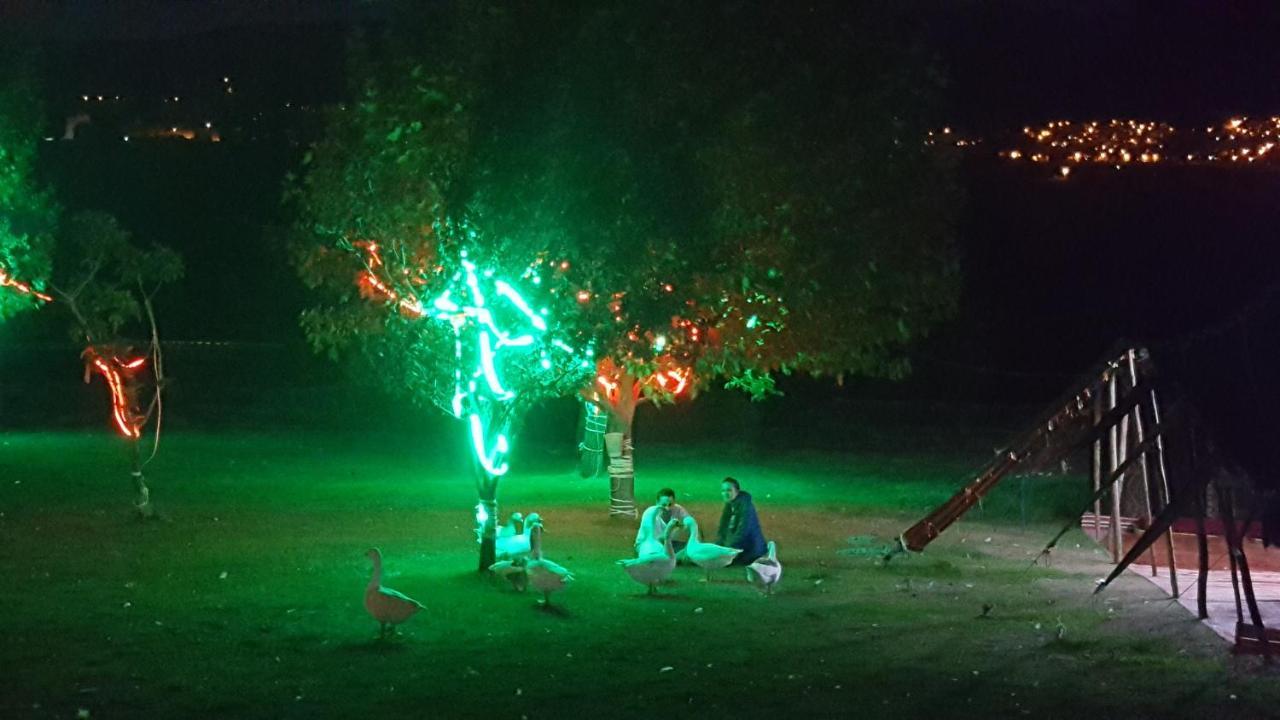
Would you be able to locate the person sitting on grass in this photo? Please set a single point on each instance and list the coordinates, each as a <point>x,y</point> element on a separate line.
<point>657,519</point>
<point>739,524</point>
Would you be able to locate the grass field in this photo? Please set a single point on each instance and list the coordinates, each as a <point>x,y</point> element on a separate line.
<point>246,602</point>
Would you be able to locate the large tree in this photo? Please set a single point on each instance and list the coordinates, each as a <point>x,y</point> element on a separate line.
<point>700,192</point>
<point>740,190</point>
<point>433,306</point>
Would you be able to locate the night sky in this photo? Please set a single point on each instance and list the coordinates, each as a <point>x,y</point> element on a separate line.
<point>1009,62</point>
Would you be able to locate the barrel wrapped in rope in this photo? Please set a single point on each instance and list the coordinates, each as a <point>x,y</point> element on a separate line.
<point>622,479</point>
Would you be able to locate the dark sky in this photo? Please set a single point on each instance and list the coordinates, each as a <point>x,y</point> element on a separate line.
<point>140,19</point>
<point>1024,61</point>
<point>1010,61</point>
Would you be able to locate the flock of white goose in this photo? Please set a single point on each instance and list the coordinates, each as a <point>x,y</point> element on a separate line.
<point>518,550</point>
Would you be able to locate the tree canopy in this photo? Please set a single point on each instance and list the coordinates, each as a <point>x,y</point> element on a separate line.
<point>710,189</point>
<point>28,214</point>
<point>106,281</point>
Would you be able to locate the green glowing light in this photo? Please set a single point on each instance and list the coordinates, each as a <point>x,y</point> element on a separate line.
<point>752,322</point>
<point>660,342</point>
<point>488,343</point>
<point>509,293</point>
<point>488,460</point>
<point>490,372</point>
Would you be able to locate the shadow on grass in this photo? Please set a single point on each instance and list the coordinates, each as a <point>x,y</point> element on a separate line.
<point>661,596</point>
<point>375,646</point>
<point>558,611</point>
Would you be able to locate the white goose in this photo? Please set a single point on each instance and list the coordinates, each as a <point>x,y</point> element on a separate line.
<point>510,544</point>
<point>652,568</point>
<point>707,556</point>
<point>385,605</point>
<point>765,572</point>
<point>544,575</point>
<point>652,545</point>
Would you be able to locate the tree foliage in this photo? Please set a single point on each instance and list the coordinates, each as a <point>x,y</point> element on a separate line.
<point>739,189</point>
<point>27,212</point>
<point>105,280</point>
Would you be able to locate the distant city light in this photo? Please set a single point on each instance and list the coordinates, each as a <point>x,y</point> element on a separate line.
<point>1122,143</point>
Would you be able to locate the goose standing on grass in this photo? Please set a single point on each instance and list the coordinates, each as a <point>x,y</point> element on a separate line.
<point>765,572</point>
<point>511,549</point>
<point>652,568</point>
<point>387,606</point>
<point>510,543</point>
<point>707,556</point>
<point>544,575</point>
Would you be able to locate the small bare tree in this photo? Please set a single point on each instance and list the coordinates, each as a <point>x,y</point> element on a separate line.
<point>106,283</point>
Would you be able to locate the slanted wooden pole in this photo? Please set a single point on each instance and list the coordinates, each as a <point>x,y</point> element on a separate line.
<point>1118,487</point>
<point>1162,487</point>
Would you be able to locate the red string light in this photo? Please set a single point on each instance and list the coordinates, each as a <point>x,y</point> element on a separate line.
<point>127,422</point>
<point>374,287</point>
<point>24,288</point>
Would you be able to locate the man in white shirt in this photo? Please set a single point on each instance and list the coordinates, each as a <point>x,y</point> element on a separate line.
<point>654,523</point>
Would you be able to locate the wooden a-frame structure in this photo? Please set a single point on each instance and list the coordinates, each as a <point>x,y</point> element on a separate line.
<point>1114,410</point>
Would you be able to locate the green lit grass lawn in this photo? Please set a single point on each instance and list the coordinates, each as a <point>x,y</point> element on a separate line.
<point>247,603</point>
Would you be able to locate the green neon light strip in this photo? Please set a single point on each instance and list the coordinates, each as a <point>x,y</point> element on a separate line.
<point>509,293</point>
<point>487,460</point>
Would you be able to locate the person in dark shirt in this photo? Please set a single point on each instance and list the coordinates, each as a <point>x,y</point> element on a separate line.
<point>739,524</point>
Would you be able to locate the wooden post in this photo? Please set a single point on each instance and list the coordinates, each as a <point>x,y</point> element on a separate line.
<point>1202,541</point>
<point>1095,465</point>
<point>1117,488</point>
<point>1235,547</point>
<point>1165,498</point>
<point>1231,557</point>
<point>1142,458</point>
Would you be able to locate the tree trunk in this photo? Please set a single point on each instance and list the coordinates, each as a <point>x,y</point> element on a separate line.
<point>487,519</point>
<point>622,477</point>
<point>591,453</point>
<point>142,494</point>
